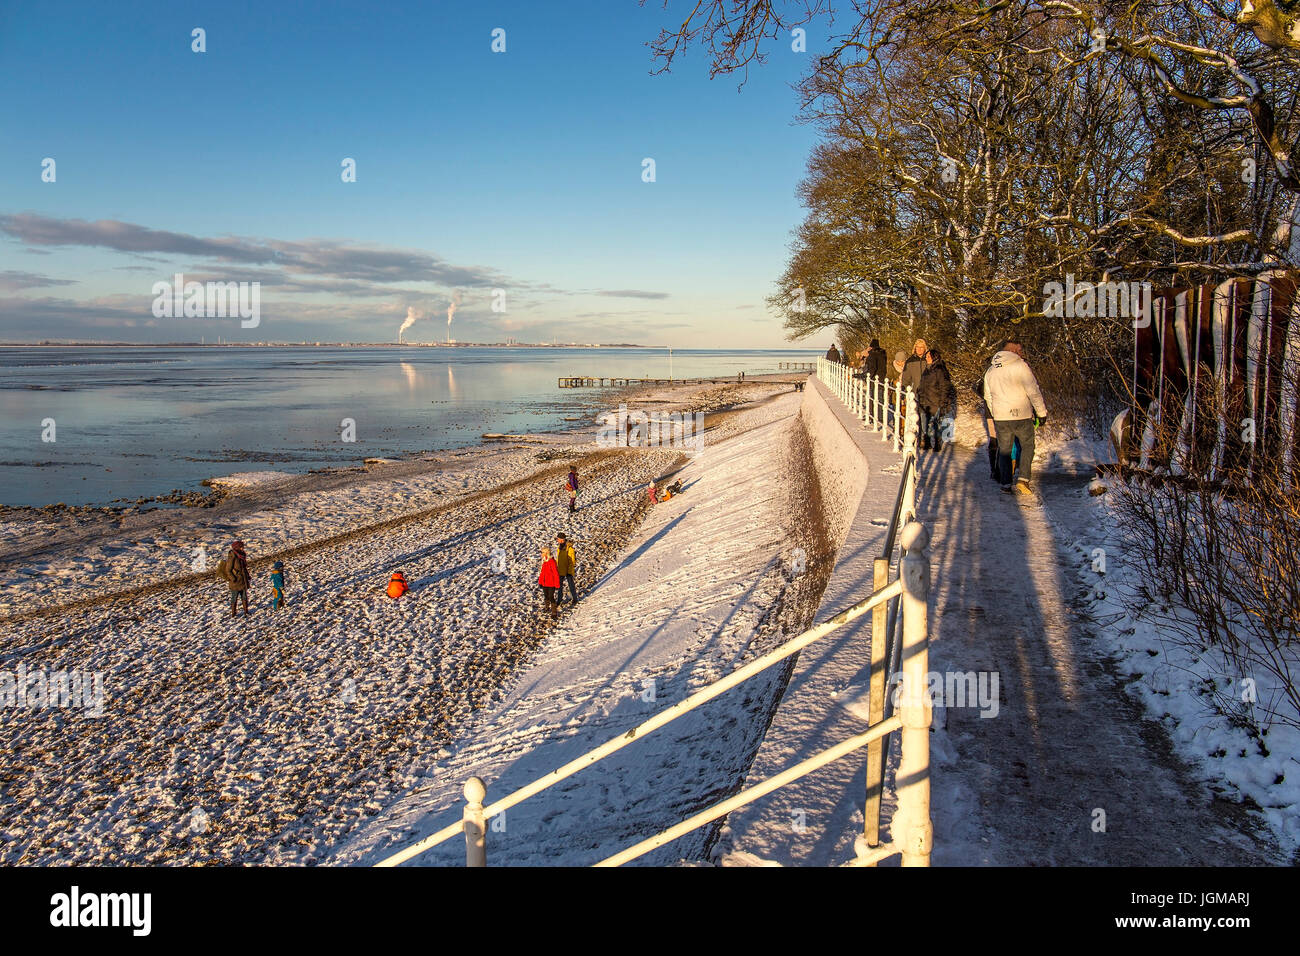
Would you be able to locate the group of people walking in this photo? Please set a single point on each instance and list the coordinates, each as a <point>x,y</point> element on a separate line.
<point>1011,402</point>
<point>556,570</point>
<point>926,373</point>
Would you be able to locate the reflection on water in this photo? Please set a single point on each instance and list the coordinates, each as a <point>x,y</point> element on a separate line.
<point>135,422</point>
<point>412,376</point>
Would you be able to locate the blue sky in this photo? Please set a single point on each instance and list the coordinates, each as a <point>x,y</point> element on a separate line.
<point>475,170</point>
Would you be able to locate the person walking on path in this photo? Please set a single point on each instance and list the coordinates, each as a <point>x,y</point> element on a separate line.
<point>876,361</point>
<point>572,484</point>
<point>995,468</point>
<point>914,367</point>
<point>833,354</point>
<point>1017,407</point>
<point>233,569</point>
<point>549,580</point>
<point>935,397</point>
<point>566,563</point>
<point>277,585</point>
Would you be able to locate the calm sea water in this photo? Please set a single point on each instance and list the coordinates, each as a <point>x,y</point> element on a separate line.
<point>132,422</point>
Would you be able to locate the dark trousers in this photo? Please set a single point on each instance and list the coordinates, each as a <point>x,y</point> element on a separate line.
<point>1008,432</point>
<point>573,588</point>
<point>931,429</point>
<point>549,594</point>
<point>234,600</point>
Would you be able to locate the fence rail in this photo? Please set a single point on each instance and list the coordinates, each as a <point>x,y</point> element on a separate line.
<point>890,409</point>
<point>898,606</point>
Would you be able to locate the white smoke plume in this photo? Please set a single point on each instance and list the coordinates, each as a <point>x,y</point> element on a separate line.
<point>411,316</point>
<point>451,310</point>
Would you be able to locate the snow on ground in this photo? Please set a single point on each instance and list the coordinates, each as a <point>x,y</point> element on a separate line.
<point>272,738</point>
<point>1068,770</point>
<point>288,727</point>
<point>52,559</point>
<point>1171,679</point>
<point>813,821</point>
<point>702,588</point>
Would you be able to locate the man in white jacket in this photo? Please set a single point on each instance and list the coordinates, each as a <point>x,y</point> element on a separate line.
<point>1016,405</point>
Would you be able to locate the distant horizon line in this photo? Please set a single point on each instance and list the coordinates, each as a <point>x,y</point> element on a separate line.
<point>394,345</point>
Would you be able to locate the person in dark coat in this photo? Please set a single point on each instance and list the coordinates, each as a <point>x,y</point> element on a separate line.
<point>995,469</point>
<point>571,483</point>
<point>233,569</point>
<point>877,361</point>
<point>935,396</point>
<point>833,354</point>
<point>913,367</point>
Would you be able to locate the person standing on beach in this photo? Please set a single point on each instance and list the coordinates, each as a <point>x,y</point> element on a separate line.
<point>572,484</point>
<point>566,563</point>
<point>1016,404</point>
<point>277,585</point>
<point>833,354</point>
<point>233,569</point>
<point>549,580</point>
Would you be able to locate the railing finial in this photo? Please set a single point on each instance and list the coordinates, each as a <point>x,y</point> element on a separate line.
<point>475,829</point>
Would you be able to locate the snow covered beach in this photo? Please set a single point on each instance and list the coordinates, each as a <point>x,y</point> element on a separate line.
<point>269,739</point>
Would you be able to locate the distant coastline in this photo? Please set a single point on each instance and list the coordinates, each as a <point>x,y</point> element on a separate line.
<point>341,345</point>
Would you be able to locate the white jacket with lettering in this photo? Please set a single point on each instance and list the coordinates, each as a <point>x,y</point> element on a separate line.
<point>1010,389</point>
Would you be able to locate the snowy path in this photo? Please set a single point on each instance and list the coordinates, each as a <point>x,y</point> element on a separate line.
<point>702,588</point>
<point>1024,787</point>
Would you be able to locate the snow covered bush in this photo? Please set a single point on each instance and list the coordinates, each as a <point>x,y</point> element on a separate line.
<point>1231,556</point>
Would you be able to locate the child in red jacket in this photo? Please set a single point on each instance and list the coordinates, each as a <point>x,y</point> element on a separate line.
<point>549,579</point>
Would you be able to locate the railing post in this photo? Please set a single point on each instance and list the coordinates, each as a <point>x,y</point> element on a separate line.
<point>475,830</point>
<point>876,705</point>
<point>913,429</point>
<point>897,405</point>
<point>882,399</point>
<point>912,830</point>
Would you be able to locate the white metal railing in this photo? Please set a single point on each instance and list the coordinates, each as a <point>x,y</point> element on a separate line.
<point>900,605</point>
<point>874,401</point>
<point>877,403</point>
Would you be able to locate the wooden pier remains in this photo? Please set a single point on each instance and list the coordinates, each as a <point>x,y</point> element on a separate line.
<point>592,381</point>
